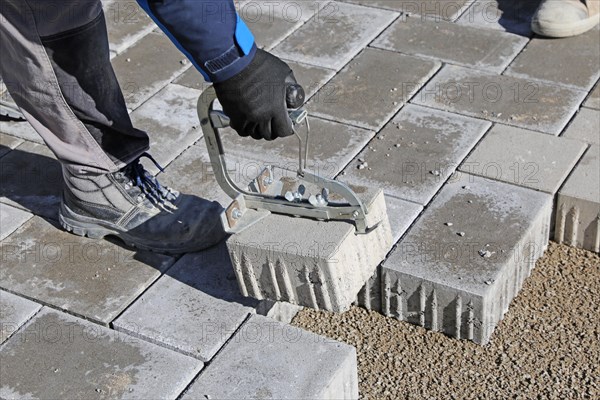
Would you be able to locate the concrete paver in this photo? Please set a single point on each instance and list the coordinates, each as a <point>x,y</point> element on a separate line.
<point>148,66</point>
<point>7,143</point>
<point>402,214</point>
<point>59,356</point>
<point>452,43</point>
<point>92,278</point>
<point>347,27</point>
<point>578,205</point>
<point>513,101</point>
<point>509,16</point>
<point>31,179</point>
<point>434,9</point>
<point>593,100</point>
<point>573,61</point>
<point>425,147</point>
<point>14,312</point>
<point>585,127</point>
<point>126,23</point>
<point>169,136</point>
<point>372,88</point>
<point>11,218</point>
<point>193,309</point>
<point>267,359</point>
<point>20,129</point>
<point>525,158</point>
<point>451,272</point>
<point>310,263</point>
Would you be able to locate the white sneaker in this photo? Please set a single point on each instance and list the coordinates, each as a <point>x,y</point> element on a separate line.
<point>564,18</point>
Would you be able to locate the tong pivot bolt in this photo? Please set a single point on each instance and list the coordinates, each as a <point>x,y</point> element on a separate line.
<point>236,213</point>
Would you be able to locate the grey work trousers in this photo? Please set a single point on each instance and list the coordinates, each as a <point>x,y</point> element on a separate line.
<point>55,62</point>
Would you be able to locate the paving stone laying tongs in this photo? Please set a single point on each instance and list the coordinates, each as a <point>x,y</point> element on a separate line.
<point>264,195</point>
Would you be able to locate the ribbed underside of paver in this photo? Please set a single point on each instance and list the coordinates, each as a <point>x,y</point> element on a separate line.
<point>311,263</point>
<point>459,267</point>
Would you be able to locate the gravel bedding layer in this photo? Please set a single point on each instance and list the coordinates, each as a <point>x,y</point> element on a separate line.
<point>547,345</point>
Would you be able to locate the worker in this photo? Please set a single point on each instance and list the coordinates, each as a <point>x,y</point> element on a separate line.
<point>564,18</point>
<point>56,64</point>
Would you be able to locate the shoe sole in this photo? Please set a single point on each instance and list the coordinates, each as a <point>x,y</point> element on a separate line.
<point>565,30</point>
<point>97,229</point>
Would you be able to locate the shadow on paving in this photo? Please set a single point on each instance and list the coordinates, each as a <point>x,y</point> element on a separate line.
<point>33,182</point>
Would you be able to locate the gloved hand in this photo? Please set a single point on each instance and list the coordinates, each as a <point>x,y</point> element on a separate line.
<point>256,101</point>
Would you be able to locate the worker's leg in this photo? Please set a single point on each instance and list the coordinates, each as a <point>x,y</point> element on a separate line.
<point>55,62</point>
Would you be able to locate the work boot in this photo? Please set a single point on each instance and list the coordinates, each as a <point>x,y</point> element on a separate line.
<point>563,18</point>
<point>8,108</point>
<point>132,205</point>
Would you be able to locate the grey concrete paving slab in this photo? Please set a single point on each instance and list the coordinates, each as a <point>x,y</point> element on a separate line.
<point>453,43</point>
<point>147,66</point>
<point>171,120</point>
<point>7,143</point>
<point>307,262</point>
<point>525,158</point>
<point>504,15</point>
<point>278,310</point>
<point>573,61</point>
<point>512,101</point>
<point>372,88</point>
<point>193,309</point>
<point>458,268</point>
<point>59,356</point>
<point>593,101</point>
<point>578,205</point>
<point>347,27</point>
<point>31,179</point>
<point>332,146</point>
<point>192,79</point>
<point>585,127</point>
<point>402,214</point>
<point>92,278</point>
<point>268,359</point>
<point>14,312</point>
<point>11,218</point>
<point>126,23</point>
<point>437,9</point>
<point>20,129</point>
<point>414,155</point>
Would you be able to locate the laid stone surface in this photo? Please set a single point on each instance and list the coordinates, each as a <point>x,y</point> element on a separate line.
<point>452,43</point>
<point>513,101</point>
<point>585,127</point>
<point>454,272</point>
<point>92,278</point>
<point>278,310</point>
<point>348,28</point>
<point>435,9</point>
<point>59,356</point>
<point>148,66</point>
<point>193,309</point>
<point>593,101</point>
<point>10,219</point>
<point>268,359</point>
<point>7,143</point>
<point>509,16</point>
<point>425,147</point>
<point>192,79</point>
<point>578,205</point>
<point>14,312</point>
<point>331,146</point>
<point>372,88</point>
<point>171,120</point>
<point>126,23</point>
<point>20,129</point>
<point>525,158</point>
<point>307,262</point>
<point>573,61</point>
<point>31,179</point>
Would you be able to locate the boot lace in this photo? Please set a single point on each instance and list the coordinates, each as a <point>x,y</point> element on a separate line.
<point>147,183</point>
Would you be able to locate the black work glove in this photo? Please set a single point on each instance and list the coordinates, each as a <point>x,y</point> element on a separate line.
<point>256,99</point>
